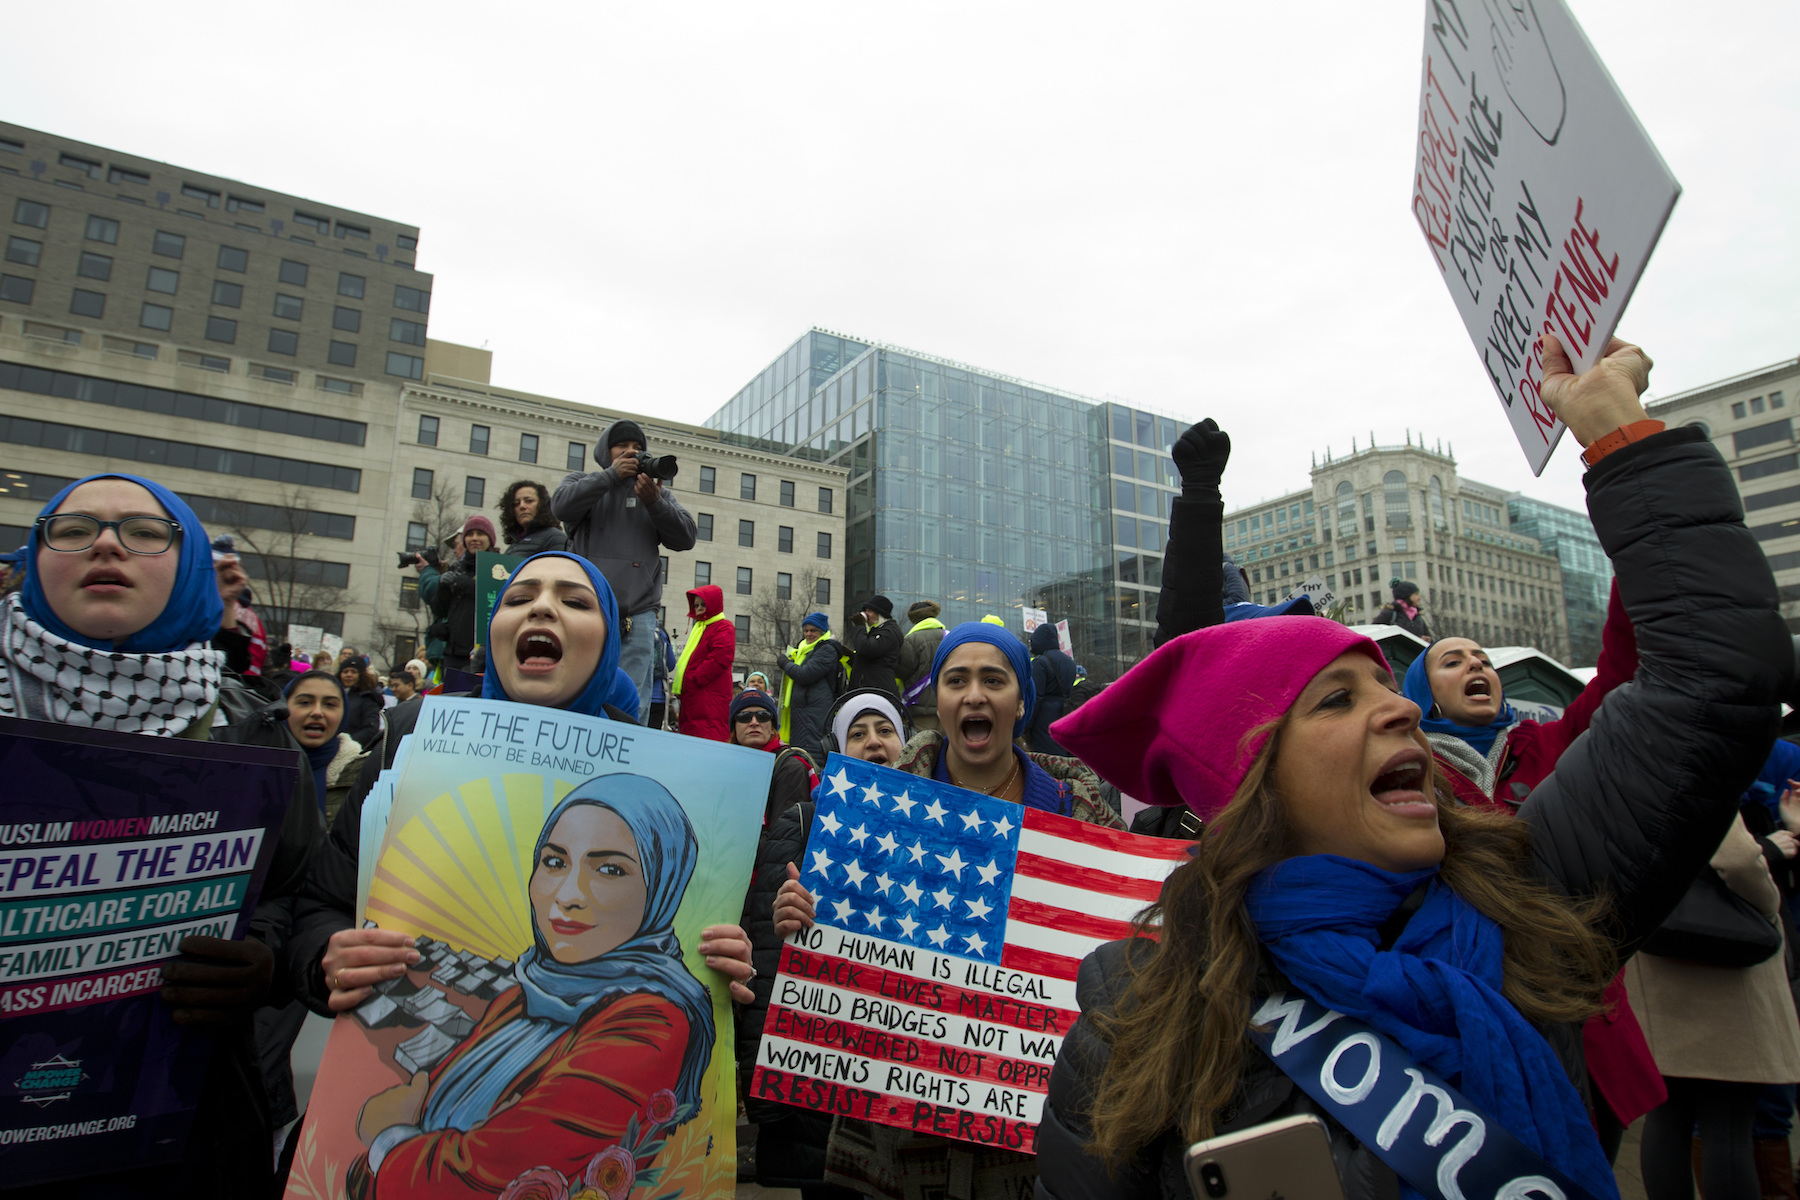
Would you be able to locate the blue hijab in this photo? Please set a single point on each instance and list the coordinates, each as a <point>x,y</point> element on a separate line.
<point>1012,647</point>
<point>1436,992</point>
<point>194,608</point>
<point>603,686</point>
<point>1417,688</point>
<point>557,995</point>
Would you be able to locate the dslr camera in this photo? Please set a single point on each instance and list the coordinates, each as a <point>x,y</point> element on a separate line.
<point>657,466</point>
<point>428,553</point>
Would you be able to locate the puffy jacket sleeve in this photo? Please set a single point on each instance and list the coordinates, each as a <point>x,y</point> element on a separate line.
<point>820,664</point>
<point>1193,583</point>
<point>675,526</point>
<point>711,658</point>
<point>429,578</point>
<point>782,843</point>
<point>1638,803</point>
<point>573,501</point>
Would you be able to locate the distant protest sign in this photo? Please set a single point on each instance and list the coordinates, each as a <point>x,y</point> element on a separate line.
<point>1539,194</point>
<point>1315,590</point>
<point>939,981</point>
<point>114,848</point>
<point>491,573</point>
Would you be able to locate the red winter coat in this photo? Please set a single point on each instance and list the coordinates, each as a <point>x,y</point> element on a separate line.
<point>706,685</point>
<point>1618,1057</point>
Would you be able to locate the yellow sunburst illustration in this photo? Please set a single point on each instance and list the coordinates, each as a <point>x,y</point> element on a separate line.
<point>458,871</point>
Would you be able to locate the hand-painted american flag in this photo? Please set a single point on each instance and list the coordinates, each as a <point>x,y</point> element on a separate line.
<point>939,981</point>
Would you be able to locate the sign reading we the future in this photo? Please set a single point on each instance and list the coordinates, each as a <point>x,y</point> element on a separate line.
<point>1539,194</point>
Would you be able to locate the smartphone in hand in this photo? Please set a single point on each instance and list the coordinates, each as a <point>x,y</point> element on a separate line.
<point>1289,1159</point>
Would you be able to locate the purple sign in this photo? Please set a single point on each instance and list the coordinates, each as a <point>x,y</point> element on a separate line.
<point>113,848</point>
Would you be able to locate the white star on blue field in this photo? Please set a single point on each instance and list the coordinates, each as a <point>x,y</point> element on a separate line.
<point>910,860</point>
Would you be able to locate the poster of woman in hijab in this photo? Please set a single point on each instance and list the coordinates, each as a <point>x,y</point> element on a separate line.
<point>559,1038</point>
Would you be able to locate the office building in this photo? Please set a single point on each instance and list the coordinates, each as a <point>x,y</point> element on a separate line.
<point>1403,512</point>
<point>983,492</point>
<point>1586,571</point>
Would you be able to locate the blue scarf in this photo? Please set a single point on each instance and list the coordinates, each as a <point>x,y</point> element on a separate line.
<point>1417,688</point>
<point>557,995</point>
<point>320,758</point>
<point>194,609</point>
<point>1436,993</point>
<point>603,686</point>
<point>1012,647</point>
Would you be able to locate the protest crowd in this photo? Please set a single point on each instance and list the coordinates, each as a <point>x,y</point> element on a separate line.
<point>1574,924</point>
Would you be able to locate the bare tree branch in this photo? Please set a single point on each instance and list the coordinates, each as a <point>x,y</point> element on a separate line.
<point>281,552</point>
<point>775,621</point>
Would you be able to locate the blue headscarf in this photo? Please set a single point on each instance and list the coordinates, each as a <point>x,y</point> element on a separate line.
<point>1417,688</point>
<point>603,686</point>
<point>194,609</point>
<point>1012,647</point>
<point>557,995</point>
<point>1436,992</point>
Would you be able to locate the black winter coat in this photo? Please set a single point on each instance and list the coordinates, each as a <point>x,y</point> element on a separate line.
<point>1053,677</point>
<point>362,717</point>
<point>875,656</point>
<point>541,540</point>
<point>453,599</point>
<point>783,842</point>
<point>810,701</point>
<point>1634,809</point>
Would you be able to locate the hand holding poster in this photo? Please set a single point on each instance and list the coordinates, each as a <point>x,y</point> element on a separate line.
<point>938,983</point>
<point>1539,194</point>
<point>560,1031</point>
<point>115,848</point>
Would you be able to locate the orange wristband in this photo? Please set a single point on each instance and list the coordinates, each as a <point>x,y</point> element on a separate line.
<point>1624,435</point>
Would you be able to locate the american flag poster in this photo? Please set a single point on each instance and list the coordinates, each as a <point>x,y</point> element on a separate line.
<point>939,981</point>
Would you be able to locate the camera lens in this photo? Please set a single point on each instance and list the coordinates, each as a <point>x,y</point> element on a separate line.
<point>1212,1178</point>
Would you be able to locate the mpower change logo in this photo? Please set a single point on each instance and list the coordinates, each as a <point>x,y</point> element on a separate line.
<point>51,1080</point>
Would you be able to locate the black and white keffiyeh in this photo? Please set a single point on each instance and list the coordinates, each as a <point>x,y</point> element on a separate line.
<point>46,678</point>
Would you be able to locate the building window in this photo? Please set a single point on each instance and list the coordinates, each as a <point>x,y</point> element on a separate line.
<point>824,545</point>
<point>342,354</point>
<point>289,308</point>
<point>428,431</point>
<point>784,586</point>
<point>787,493</point>
<point>90,169</point>
<point>410,332</point>
<point>1756,405</point>
<point>702,574</point>
<point>161,279</point>
<point>784,538</point>
<point>15,288</point>
<point>746,487</point>
<point>422,482</point>
<point>474,491</point>
<point>156,316</point>
<point>347,319</point>
<point>28,212</point>
<point>417,536</point>
<point>221,329</point>
<point>29,251</point>
<point>121,175</point>
<point>406,366</point>
<point>1737,410</point>
<point>227,295</point>
<point>319,224</point>
<point>99,229</point>
<point>1777,400</point>
<point>708,479</point>
<point>822,592</point>
<point>411,299</point>
<point>205,195</point>
<point>744,581</point>
<point>90,266</point>
<point>169,245</point>
<point>88,304</point>
<point>528,447</point>
<point>284,341</point>
<point>292,273</point>
<point>824,499</point>
<point>743,627</point>
<point>577,456</point>
<point>354,231</point>
<point>350,285</point>
<point>478,439</point>
<point>663,574</point>
<point>703,527</point>
<point>747,533</point>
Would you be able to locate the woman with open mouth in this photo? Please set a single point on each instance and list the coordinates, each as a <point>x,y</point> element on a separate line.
<point>110,630</point>
<point>1413,936</point>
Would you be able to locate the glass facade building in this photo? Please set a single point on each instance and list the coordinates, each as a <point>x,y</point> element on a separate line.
<point>1586,571</point>
<point>982,492</point>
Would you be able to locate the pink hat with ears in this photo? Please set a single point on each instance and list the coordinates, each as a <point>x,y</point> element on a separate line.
<point>1174,729</point>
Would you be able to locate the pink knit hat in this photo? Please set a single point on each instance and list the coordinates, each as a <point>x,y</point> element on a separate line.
<point>1172,729</point>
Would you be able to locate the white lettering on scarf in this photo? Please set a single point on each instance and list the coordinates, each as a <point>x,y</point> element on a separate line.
<point>1448,1117</point>
<point>1278,1007</point>
<point>1359,1092</point>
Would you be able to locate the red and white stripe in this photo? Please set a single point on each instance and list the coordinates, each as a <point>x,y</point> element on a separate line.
<point>1077,886</point>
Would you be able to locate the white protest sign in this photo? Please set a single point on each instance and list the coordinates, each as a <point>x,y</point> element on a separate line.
<point>1062,638</point>
<point>305,639</point>
<point>1539,194</point>
<point>1035,617</point>
<point>1314,587</point>
<point>331,643</point>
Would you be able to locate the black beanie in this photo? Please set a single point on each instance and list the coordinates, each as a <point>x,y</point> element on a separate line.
<point>625,431</point>
<point>880,604</point>
<point>1403,589</point>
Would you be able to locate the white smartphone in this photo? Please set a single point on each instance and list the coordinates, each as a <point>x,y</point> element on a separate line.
<point>1289,1159</point>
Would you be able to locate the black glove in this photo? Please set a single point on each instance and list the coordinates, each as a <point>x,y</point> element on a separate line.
<point>1200,455</point>
<point>215,981</point>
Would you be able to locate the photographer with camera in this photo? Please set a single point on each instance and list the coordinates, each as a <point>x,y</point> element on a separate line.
<point>616,518</point>
<point>451,592</point>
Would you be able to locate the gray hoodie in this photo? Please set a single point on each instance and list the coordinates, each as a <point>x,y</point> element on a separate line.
<point>616,532</point>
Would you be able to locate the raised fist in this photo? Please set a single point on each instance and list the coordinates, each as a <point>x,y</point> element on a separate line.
<point>1201,453</point>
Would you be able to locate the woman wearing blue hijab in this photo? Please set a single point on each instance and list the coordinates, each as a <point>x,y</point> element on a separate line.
<point>605,1022</point>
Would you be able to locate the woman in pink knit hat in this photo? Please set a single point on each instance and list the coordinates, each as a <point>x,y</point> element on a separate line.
<point>1448,953</point>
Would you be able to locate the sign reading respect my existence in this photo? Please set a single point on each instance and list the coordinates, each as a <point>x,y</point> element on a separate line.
<point>1539,194</point>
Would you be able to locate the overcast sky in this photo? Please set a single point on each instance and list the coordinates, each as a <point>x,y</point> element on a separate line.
<point>1200,208</point>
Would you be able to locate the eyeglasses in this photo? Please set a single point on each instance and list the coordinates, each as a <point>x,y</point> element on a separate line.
<point>71,533</point>
<point>755,718</point>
